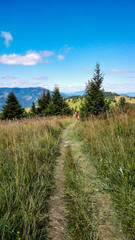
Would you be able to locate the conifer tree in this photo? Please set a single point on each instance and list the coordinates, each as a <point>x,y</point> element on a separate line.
<point>12,109</point>
<point>94,102</point>
<point>58,106</point>
<point>33,109</point>
<point>48,98</point>
<point>44,101</point>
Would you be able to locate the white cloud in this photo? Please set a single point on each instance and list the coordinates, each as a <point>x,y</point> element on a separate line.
<point>46,53</point>
<point>67,48</point>
<point>121,71</point>
<point>8,77</point>
<point>120,88</point>
<point>8,38</point>
<point>29,59</point>
<point>40,78</point>
<point>65,88</point>
<point>60,57</point>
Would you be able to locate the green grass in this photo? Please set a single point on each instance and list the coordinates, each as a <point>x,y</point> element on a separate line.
<point>111,145</point>
<point>28,150</point>
<point>78,201</point>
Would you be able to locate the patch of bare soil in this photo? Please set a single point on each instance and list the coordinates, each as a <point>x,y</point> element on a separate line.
<point>57,210</point>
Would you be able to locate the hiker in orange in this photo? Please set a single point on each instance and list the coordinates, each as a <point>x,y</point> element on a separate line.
<point>77,115</point>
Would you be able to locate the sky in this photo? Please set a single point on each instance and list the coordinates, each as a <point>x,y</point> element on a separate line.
<point>46,43</point>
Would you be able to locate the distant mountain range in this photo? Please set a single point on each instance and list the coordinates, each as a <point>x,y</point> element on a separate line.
<point>31,94</point>
<point>25,96</point>
<point>129,94</point>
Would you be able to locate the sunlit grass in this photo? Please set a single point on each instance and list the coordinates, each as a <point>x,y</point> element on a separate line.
<point>128,99</point>
<point>28,150</point>
<point>111,145</point>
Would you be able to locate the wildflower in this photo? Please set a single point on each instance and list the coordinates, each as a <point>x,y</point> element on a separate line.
<point>18,232</point>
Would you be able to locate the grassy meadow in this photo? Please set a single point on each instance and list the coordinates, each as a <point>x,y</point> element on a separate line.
<point>28,150</point>
<point>110,143</point>
<point>128,99</point>
<point>81,224</point>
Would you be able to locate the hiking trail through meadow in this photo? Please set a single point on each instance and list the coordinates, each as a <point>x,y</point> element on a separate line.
<point>57,210</point>
<point>105,220</point>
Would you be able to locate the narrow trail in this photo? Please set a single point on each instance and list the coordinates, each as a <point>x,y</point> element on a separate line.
<point>57,211</point>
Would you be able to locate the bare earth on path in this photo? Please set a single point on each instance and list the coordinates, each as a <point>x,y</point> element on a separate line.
<point>57,211</point>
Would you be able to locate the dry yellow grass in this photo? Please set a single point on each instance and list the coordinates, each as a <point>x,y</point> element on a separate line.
<point>128,99</point>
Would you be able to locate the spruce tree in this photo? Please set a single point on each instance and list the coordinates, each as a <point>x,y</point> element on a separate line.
<point>94,102</point>
<point>48,98</point>
<point>57,106</point>
<point>33,109</point>
<point>44,101</point>
<point>12,109</point>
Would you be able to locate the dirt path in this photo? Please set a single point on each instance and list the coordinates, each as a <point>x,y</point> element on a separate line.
<point>57,211</point>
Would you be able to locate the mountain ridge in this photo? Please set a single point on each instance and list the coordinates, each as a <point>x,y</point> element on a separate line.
<point>28,95</point>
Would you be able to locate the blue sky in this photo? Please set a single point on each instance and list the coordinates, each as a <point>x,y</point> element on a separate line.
<point>43,43</point>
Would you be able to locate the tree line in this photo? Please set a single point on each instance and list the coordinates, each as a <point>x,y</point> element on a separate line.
<point>94,102</point>
<point>48,105</point>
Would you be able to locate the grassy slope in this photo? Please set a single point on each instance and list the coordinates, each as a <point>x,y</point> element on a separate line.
<point>28,150</point>
<point>128,99</point>
<point>76,105</point>
<point>78,202</point>
<point>111,146</point>
<point>90,211</point>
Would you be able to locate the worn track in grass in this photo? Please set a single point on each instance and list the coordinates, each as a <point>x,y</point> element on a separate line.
<point>57,210</point>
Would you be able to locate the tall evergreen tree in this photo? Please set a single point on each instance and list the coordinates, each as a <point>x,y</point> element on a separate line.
<point>94,102</point>
<point>44,101</point>
<point>12,109</point>
<point>58,106</point>
<point>33,109</point>
<point>48,98</point>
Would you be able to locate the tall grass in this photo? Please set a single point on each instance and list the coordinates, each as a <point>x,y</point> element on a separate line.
<point>111,144</point>
<point>78,202</point>
<point>28,150</point>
